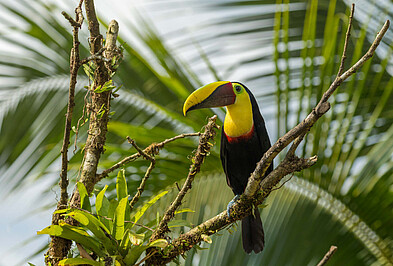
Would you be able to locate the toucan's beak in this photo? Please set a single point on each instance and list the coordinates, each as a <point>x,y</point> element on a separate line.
<point>216,94</point>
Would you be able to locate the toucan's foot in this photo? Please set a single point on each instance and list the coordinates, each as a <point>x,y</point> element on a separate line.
<point>230,204</point>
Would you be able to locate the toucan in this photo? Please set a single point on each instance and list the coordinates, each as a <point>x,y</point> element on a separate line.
<point>244,140</point>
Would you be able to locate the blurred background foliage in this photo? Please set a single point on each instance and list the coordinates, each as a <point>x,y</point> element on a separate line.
<point>286,52</point>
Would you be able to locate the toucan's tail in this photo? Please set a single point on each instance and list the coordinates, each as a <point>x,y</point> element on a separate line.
<point>252,233</point>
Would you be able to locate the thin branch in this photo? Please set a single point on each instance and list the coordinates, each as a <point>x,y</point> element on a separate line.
<point>140,151</point>
<point>153,149</point>
<point>347,35</point>
<point>140,225</point>
<point>71,20</point>
<point>327,256</point>
<point>142,185</point>
<point>58,247</point>
<point>289,165</point>
<point>202,151</point>
<point>357,65</point>
<point>74,66</point>
<point>94,27</point>
<point>147,174</point>
<point>296,143</point>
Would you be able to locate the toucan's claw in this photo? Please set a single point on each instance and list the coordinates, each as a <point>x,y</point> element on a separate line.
<point>230,204</point>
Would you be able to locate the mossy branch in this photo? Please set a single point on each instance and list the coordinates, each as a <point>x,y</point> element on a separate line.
<point>202,151</point>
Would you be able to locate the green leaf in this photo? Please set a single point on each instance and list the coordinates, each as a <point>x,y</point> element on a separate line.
<point>159,243</point>
<point>111,213</point>
<point>125,244</point>
<point>76,234</point>
<point>106,87</point>
<point>136,251</point>
<point>178,223</point>
<point>136,239</point>
<point>144,208</point>
<point>80,261</point>
<point>62,211</point>
<point>134,254</point>
<point>118,228</point>
<point>89,71</point>
<point>96,227</point>
<point>121,185</point>
<point>102,207</point>
<point>85,201</point>
<point>184,210</point>
<point>206,238</point>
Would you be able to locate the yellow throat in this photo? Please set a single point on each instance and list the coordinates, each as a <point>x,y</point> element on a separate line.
<point>238,120</point>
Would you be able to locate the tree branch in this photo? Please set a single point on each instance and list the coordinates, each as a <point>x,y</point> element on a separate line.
<point>100,104</point>
<point>58,247</point>
<point>153,149</point>
<point>147,174</point>
<point>256,191</point>
<point>202,151</point>
<point>241,209</point>
<point>347,35</point>
<point>327,256</point>
<point>74,66</point>
<point>322,107</point>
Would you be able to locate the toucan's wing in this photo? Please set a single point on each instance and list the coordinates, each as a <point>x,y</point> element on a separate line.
<point>263,139</point>
<point>260,128</point>
<point>224,154</point>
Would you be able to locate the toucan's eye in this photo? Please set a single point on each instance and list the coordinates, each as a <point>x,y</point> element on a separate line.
<point>238,88</point>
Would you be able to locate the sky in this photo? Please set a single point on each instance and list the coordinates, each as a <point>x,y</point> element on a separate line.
<point>18,224</point>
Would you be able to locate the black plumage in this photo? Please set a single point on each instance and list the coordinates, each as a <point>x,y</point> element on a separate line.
<point>239,157</point>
